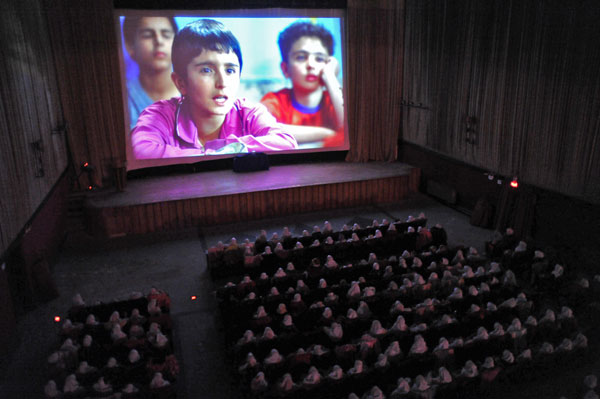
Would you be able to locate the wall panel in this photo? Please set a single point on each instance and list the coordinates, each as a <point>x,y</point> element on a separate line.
<point>508,86</point>
<point>33,148</point>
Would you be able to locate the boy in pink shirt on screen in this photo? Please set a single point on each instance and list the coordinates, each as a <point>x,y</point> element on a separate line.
<point>208,118</point>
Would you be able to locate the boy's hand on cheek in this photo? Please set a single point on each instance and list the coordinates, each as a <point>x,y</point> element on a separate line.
<point>330,71</point>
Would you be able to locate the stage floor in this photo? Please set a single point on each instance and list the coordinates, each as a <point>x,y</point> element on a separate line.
<point>227,182</point>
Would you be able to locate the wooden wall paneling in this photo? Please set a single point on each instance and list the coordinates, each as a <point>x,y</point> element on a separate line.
<point>234,210</point>
<point>195,212</point>
<point>307,196</point>
<point>361,193</point>
<point>184,215</point>
<point>225,209</point>
<point>289,204</point>
<point>296,199</point>
<point>247,213</point>
<point>276,203</point>
<point>257,204</point>
<point>29,113</point>
<point>215,216</point>
<point>407,185</point>
<point>527,72</point>
<point>310,198</point>
<point>171,211</point>
<point>210,211</point>
<point>183,219</point>
<point>327,199</point>
<point>12,216</point>
<point>200,211</point>
<point>270,207</point>
<point>177,215</point>
<point>301,198</point>
<point>150,222</point>
<point>158,216</point>
<point>239,199</point>
<point>388,190</point>
<point>229,206</point>
<point>336,192</point>
<point>391,189</point>
<point>400,189</point>
<point>252,206</point>
<point>248,210</point>
<point>318,201</point>
<point>347,194</point>
<point>283,197</point>
<point>315,197</point>
<point>262,198</point>
<point>204,209</point>
<point>379,190</point>
<point>191,209</point>
<point>135,219</point>
<point>142,219</point>
<point>358,189</point>
<point>344,197</point>
<point>292,203</point>
<point>164,208</point>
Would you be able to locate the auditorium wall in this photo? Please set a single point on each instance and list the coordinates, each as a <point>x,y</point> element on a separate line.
<point>507,86</point>
<point>552,220</point>
<point>33,147</point>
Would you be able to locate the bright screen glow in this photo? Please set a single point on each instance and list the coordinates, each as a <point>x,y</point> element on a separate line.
<point>271,105</point>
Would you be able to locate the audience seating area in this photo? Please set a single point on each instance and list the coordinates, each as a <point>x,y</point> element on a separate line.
<point>388,311</point>
<point>120,349</point>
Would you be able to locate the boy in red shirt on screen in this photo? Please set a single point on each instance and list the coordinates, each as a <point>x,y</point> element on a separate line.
<point>313,108</point>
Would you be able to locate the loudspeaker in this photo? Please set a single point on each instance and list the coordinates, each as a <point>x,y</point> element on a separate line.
<point>251,162</point>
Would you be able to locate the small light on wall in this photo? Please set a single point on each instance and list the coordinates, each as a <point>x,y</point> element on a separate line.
<point>193,297</point>
<point>57,319</point>
<point>87,167</point>
<point>90,187</point>
<point>514,183</point>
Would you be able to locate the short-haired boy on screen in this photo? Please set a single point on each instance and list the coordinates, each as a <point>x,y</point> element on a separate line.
<point>208,118</point>
<point>313,108</point>
<point>148,41</point>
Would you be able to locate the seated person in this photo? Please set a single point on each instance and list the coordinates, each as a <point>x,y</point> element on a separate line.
<point>207,118</point>
<point>148,41</point>
<point>314,106</point>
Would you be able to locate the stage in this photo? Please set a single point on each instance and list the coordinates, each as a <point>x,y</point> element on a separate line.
<point>208,198</point>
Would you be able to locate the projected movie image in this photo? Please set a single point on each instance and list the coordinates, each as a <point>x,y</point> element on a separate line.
<point>201,86</point>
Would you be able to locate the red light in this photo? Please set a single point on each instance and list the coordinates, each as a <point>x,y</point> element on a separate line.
<point>85,164</point>
<point>90,188</point>
<point>57,319</point>
<point>193,297</point>
<point>514,183</point>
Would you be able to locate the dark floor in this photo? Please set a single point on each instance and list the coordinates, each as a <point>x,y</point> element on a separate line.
<point>175,262</point>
